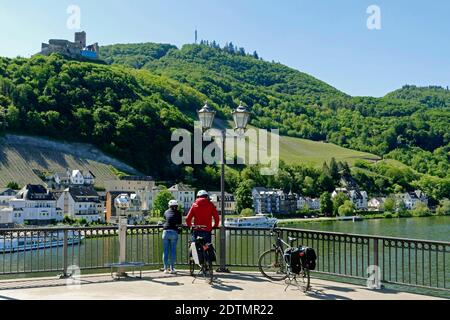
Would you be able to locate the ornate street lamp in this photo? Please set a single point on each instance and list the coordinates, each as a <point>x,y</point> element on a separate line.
<point>206,116</point>
<point>241,116</point>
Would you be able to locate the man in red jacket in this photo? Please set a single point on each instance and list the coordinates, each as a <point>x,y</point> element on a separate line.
<point>203,212</point>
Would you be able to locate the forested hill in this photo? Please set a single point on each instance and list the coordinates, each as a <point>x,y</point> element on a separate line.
<point>433,96</point>
<point>129,109</point>
<point>410,124</point>
<point>126,112</point>
<point>134,55</point>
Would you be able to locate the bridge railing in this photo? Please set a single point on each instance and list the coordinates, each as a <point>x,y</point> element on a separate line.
<point>409,262</point>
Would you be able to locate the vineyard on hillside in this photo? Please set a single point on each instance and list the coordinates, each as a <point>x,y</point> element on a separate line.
<point>22,157</point>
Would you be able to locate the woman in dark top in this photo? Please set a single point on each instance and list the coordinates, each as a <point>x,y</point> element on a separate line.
<point>172,224</point>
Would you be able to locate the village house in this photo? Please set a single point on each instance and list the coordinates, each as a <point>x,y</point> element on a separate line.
<point>376,204</point>
<point>74,178</point>
<point>312,204</point>
<point>411,199</point>
<point>6,218</point>
<point>6,194</point>
<point>34,205</point>
<point>272,201</point>
<point>184,194</point>
<point>230,202</point>
<point>357,197</point>
<point>148,197</point>
<point>130,184</point>
<point>81,202</point>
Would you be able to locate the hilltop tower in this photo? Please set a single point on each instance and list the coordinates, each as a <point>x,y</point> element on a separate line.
<point>80,39</point>
<point>196,35</point>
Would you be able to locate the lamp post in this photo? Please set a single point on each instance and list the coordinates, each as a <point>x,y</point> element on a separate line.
<point>241,117</point>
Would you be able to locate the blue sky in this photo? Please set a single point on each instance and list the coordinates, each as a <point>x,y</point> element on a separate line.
<point>327,39</point>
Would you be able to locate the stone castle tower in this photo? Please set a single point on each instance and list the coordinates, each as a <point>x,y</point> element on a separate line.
<point>80,39</point>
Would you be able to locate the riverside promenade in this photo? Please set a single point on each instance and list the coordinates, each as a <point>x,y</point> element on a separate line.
<point>158,286</point>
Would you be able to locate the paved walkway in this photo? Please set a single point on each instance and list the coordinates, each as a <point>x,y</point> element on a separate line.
<point>157,286</point>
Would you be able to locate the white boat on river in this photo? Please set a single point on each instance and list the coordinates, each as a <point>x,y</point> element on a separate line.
<point>260,221</point>
<point>15,243</point>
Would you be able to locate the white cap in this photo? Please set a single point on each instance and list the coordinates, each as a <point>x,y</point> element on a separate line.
<point>173,203</point>
<point>202,193</point>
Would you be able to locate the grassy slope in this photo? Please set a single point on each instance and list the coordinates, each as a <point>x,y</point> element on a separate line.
<point>294,150</point>
<point>18,161</point>
<point>301,151</point>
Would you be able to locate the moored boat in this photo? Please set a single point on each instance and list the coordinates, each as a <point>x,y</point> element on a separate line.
<point>31,242</point>
<point>259,221</point>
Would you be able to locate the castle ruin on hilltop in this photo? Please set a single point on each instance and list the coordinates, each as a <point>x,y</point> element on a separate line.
<point>76,49</point>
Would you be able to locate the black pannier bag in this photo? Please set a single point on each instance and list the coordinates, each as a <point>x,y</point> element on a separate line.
<point>308,258</point>
<point>211,252</point>
<point>292,258</point>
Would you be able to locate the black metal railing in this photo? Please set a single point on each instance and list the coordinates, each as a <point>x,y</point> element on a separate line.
<point>410,262</point>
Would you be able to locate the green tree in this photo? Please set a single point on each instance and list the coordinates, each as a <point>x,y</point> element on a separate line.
<point>444,208</point>
<point>347,209</point>
<point>304,210</point>
<point>326,182</point>
<point>13,185</point>
<point>189,175</point>
<point>161,203</point>
<point>244,199</point>
<point>334,170</point>
<point>309,186</point>
<point>402,210</point>
<point>389,204</point>
<point>247,212</point>
<point>420,210</point>
<point>68,220</point>
<point>338,201</point>
<point>326,204</point>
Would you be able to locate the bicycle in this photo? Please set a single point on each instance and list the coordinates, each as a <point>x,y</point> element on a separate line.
<point>274,266</point>
<point>205,261</point>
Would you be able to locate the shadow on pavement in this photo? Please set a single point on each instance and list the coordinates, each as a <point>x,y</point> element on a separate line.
<point>220,285</point>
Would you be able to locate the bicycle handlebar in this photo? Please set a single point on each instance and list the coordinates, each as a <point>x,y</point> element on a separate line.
<point>198,227</point>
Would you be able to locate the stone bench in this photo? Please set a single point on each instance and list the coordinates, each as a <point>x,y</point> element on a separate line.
<point>133,265</point>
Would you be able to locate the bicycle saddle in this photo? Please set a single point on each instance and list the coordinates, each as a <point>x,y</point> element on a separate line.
<point>292,239</point>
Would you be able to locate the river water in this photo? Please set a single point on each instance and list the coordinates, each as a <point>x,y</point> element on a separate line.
<point>429,228</point>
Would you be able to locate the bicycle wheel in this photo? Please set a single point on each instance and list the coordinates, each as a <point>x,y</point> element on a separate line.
<point>273,266</point>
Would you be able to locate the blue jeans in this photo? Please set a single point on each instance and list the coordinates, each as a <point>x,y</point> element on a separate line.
<point>204,234</point>
<point>170,239</point>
